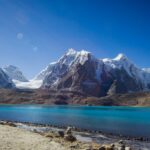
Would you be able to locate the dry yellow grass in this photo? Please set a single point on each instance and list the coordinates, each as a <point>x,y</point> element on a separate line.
<point>12,138</point>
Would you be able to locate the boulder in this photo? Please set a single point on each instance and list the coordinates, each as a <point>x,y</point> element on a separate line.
<point>121,142</point>
<point>102,148</point>
<point>61,133</point>
<point>68,130</point>
<point>70,137</point>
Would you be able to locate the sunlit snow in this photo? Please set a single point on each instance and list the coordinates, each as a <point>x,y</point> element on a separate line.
<point>32,84</point>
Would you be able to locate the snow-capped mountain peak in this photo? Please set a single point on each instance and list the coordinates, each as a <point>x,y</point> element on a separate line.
<point>120,61</point>
<point>71,51</point>
<point>69,59</point>
<point>5,81</point>
<point>14,73</point>
<point>120,57</point>
<point>146,70</point>
<point>81,70</point>
<point>73,56</point>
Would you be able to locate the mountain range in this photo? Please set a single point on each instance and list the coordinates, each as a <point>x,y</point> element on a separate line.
<point>80,71</point>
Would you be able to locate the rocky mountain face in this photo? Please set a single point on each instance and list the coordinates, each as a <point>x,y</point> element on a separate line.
<point>14,73</point>
<point>79,78</point>
<point>82,72</point>
<point>5,81</point>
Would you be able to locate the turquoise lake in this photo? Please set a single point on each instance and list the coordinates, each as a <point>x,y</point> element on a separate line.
<point>132,121</point>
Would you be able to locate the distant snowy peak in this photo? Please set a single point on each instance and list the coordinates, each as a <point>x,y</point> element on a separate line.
<point>5,81</point>
<point>80,70</point>
<point>146,70</point>
<point>70,58</point>
<point>141,76</point>
<point>71,51</point>
<point>119,62</point>
<point>120,57</point>
<point>14,73</point>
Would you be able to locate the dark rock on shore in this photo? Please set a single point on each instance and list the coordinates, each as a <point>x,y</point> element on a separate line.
<point>61,133</point>
<point>8,123</point>
<point>115,146</point>
<point>69,136</point>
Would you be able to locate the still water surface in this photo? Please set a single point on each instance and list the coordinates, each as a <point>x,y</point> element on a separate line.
<point>132,121</point>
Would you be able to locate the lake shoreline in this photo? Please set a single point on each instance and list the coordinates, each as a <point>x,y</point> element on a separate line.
<point>92,124</point>
<point>82,136</point>
<point>80,130</point>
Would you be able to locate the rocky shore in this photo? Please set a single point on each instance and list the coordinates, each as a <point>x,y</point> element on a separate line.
<point>67,139</point>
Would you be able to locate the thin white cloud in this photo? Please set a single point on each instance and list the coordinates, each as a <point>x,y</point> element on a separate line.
<point>19,36</point>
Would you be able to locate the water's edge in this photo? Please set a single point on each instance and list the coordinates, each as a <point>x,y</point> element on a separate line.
<point>81,130</point>
<point>125,122</point>
<point>83,135</point>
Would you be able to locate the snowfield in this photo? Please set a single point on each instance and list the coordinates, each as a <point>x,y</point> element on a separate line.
<point>31,84</point>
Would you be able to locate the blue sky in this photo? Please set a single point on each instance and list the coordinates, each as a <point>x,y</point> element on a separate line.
<point>34,33</point>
